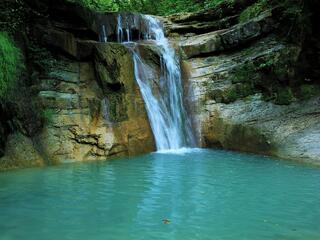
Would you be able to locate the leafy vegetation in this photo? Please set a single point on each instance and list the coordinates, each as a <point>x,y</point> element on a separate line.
<point>48,115</point>
<point>160,7</point>
<point>41,57</point>
<point>12,15</point>
<point>10,65</point>
<point>270,74</point>
<point>284,96</point>
<point>308,91</point>
<point>254,10</point>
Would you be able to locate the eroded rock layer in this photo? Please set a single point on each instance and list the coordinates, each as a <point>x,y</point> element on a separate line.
<point>252,83</point>
<point>90,103</point>
<point>246,82</point>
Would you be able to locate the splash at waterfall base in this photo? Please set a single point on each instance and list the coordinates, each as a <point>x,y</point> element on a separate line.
<point>159,82</point>
<point>99,111</point>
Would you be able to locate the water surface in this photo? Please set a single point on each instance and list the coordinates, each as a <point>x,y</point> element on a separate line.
<point>205,194</point>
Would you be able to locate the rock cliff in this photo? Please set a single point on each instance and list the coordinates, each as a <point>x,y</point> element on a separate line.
<point>252,84</point>
<point>247,81</point>
<point>91,106</point>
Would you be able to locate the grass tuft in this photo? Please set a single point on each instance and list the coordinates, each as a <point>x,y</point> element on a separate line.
<point>10,65</point>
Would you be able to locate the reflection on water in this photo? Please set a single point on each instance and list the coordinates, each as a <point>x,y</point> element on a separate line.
<point>203,194</point>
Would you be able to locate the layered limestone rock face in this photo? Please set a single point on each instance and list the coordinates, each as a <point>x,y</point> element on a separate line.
<point>91,103</point>
<point>238,75</point>
<point>94,112</point>
<point>98,109</point>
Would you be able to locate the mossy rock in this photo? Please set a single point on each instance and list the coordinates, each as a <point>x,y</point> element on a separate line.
<point>117,107</point>
<point>20,153</point>
<point>308,91</point>
<point>271,75</point>
<point>284,96</point>
<point>237,91</point>
<point>10,65</point>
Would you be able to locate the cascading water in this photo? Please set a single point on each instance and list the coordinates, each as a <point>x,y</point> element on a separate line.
<point>169,121</point>
<point>104,37</point>
<point>168,118</point>
<point>105,111</point>
<point>128,30</point>
<point>119,29</point>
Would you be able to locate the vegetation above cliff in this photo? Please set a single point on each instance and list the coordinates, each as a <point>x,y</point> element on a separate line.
<point>10,64</point>
<point>160,7</point>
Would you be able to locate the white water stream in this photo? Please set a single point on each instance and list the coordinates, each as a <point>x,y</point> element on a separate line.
<point>168,118</point>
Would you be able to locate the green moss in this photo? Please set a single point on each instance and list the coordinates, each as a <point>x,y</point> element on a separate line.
<point>230,96</point>
<point>218,3</point>
<point>13,15</point>
<point>117,107</point>
<point>309,91</point>
<point>102,5</point>
<point>160,7</point>
<point>41,58</point>
<point>10,65</point>
<point>48,115</point>
<point>232,93</point>
<point>284,96</point>
<point>269,73</point>
<point>254,10</point>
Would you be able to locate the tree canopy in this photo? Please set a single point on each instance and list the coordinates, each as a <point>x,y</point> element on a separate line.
<point>159,7</point>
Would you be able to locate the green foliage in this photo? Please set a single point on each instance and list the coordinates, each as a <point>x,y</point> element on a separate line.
<point>270,74</point>
<point>230,95</point>
<point>10,65</point>
<point>48,115</point>
<point>117,107</point>
<point>12,15</point>
<point>167,7</point>
<point>284,96</point>
<point>216,3</point>
<point>41,57</point>
<point>160,7</point>
<point>254,10</point>
<point>309,91</point>
<point>237,91</point>
<point>100,5</point>
<point>296,18</point>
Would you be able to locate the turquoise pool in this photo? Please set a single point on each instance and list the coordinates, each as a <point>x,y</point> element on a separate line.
<point>190,195</point>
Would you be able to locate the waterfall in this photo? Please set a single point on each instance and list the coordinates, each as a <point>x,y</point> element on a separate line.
<point>119,29</point>
<point>168,118</point>
<point>128,30</point>
<point>104,37</point>
<point>105,111</point>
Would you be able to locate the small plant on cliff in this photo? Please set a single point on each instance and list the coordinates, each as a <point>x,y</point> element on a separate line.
<point>13,15</point>
<point>41,57</point>
<point>48,115</point>
<point>10,65</point>
<point>284,96</point>
<point>309,91</point>
<point>254,10</point>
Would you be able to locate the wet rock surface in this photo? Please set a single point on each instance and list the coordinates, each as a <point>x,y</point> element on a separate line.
<point>95,117</point>
<point>238,79</point>
<point>238,75</point>
<point>89,99</point>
